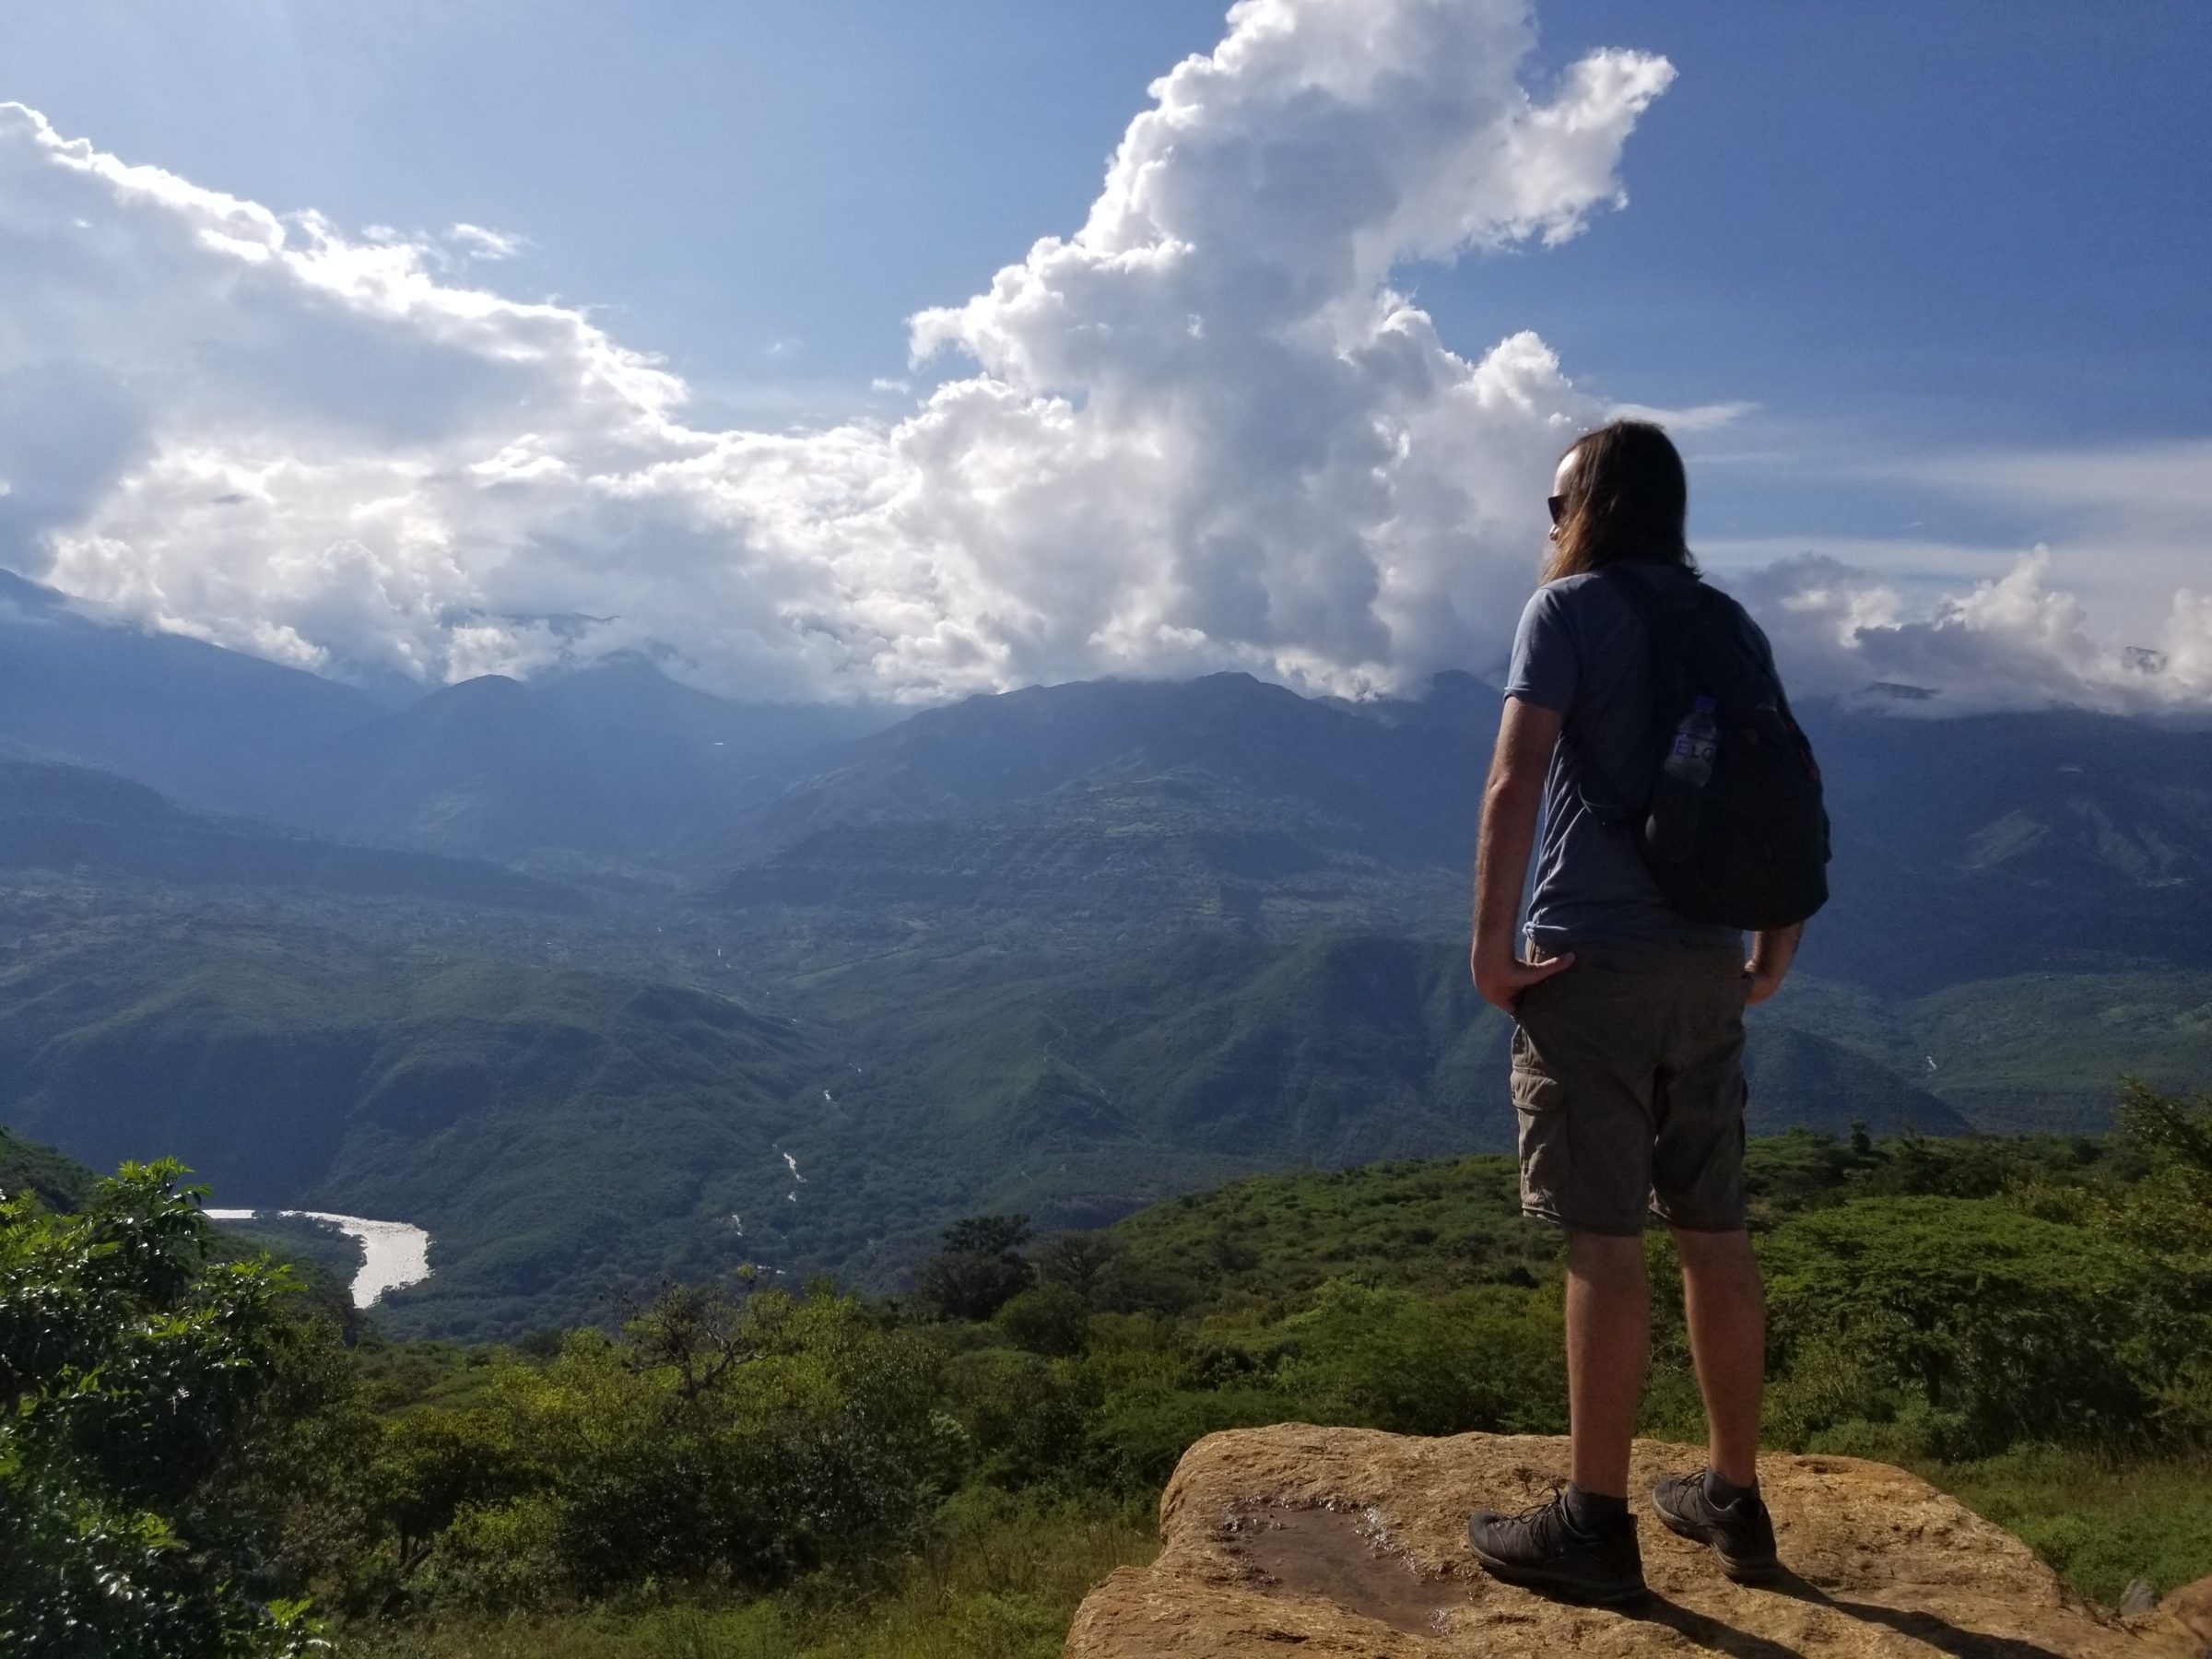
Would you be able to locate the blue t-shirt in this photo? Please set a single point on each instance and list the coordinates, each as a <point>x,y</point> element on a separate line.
<point>1580,651</point>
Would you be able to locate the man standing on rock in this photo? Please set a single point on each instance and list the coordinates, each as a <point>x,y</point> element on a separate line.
<point>1644,718</point>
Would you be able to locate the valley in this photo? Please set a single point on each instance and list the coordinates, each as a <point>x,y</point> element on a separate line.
<point>1067,951</point>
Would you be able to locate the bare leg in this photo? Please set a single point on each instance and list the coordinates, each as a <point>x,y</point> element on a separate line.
<point>1608,1344</point>
<point>1726,1309</point>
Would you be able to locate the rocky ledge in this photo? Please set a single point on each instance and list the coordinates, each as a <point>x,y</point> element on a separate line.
<point>1348,1542</point>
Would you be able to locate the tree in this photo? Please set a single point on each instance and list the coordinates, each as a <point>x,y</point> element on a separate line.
<point>138,1381</point>
<point>2169,1214</point>
<point>2174,1133</point>
<point>1046,1319</point>
<point>978,1271</point>
<point>1076,1259</point>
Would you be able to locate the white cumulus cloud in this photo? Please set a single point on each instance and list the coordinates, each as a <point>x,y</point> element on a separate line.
<point>476,242</point>
<point>2008,642</point>
<point>1203,431</point>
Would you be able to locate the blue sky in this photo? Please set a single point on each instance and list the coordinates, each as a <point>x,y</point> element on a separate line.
<point>1926,249</point>
<point>1988,220</point>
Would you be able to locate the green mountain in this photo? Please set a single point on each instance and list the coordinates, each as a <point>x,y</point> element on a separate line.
<point>90,825</point>
<point>613,761</point>
<point>2040,1050</point>
<point>1094,867</point>
<point>563,1134</point>
<point>1403,788</point>
<point>557,1132</point>
<point>210,726</point>
<point>1802,1079</point>
<point>60,1183</point>
<point>1989,846</point>
<point>1070,951</point>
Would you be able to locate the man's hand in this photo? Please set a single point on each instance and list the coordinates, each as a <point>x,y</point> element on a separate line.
<point>1761,982</point>
<point>1772,954</point>
<point>1501,981</point>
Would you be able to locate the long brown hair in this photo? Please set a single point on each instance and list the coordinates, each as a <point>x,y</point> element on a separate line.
<point>1626,497</point>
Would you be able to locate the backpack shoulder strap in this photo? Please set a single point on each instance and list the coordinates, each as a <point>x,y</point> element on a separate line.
<point>1700,626</point>
<point>1664,615</point>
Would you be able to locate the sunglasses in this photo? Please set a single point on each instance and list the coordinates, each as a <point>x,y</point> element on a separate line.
<point>1559,507</point>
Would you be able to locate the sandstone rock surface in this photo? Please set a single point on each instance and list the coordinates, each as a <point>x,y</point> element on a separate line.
<point>1350,1544</point>
<point>2182,1622</point>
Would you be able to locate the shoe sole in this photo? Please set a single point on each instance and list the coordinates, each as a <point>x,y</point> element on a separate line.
<point>1536,1578</point>
<point>1742,1569</point>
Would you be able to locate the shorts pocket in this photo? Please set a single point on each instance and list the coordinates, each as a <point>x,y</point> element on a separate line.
<point>1544,1140</point>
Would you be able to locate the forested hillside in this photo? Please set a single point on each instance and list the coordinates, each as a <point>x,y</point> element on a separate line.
<point>601,978</point>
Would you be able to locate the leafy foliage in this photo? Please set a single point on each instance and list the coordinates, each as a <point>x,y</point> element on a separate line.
<point>979,1271</point>
<point>1990,1326</point>
<point>748,1470</point>
<point>713,1442</point>
<point>142,1388</point>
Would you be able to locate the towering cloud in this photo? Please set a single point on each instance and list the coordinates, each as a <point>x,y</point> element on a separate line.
<point>1202,431</point>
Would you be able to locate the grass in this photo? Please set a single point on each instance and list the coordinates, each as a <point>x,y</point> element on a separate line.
<point>2100,1522</point>
<point>999,1577</point>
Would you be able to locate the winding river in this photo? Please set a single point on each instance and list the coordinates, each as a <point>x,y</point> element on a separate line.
<point>394,1253</point>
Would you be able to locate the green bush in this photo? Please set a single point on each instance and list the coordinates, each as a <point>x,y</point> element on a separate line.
<point>714,1443</point>
<point>1487,1358</point>
<point>144,1396</point>
<point>754,1474</point>
<point>1022,1421</point>
<point>1984,1325</point>
<point>1047,1319</point>
<point>1136,1441</point>
<point>2102,1521</point>
<point>978,1271</point>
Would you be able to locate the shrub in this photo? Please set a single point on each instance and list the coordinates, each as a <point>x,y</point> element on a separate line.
<point>1135,1442</point>
<point>1994,1325</point>
<point>1046,1319</point>
<point>1486,1357</point>
<point>737,1445</point>
<point>1021,1421</point>
<point>142,1390</point>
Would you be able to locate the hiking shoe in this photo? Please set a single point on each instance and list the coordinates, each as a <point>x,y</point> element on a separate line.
<point>1541,1549</point>
<point>1741,1534</point>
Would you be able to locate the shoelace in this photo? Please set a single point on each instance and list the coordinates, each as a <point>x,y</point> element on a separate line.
<point>1551,1510</point>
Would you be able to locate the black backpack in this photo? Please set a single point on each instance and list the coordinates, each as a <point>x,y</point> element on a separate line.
<point>1751,845</point>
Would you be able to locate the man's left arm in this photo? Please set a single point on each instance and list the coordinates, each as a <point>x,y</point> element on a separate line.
<point>1512,800</point>
<point>1772,954</point>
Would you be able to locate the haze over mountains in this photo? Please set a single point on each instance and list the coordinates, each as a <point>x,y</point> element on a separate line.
<point>599,976</point>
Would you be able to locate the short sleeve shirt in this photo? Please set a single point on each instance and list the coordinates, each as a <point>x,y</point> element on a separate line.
<point>1580,652</point>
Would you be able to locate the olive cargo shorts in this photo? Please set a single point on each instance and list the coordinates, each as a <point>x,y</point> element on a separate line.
<point>1628,1078</point>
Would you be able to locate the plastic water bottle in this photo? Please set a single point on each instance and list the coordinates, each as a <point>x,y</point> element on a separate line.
<point>1695,741</point>
<point>1672,829</point>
